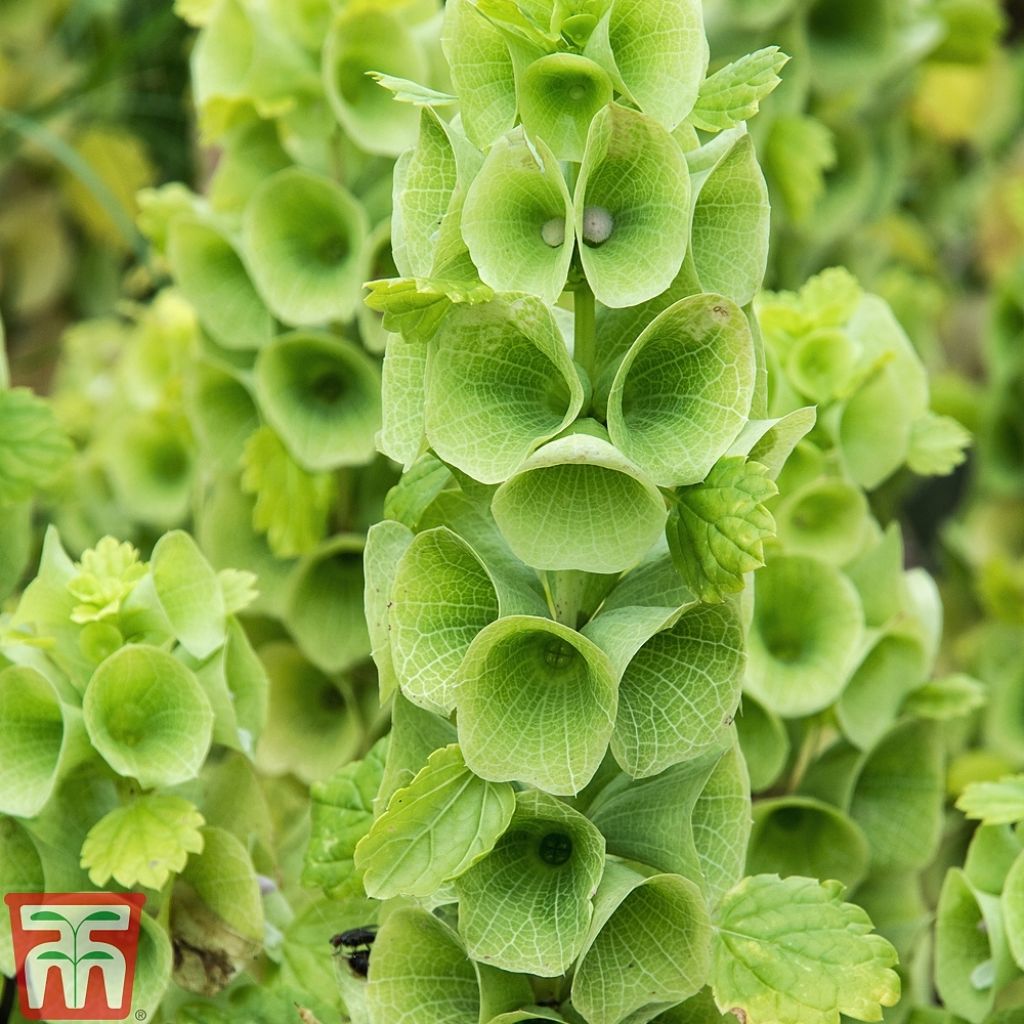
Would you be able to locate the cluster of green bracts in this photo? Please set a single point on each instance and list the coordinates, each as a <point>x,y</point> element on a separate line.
<point>595,439</point>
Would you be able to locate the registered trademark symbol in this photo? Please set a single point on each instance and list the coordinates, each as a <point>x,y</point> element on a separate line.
<point>140,1014</point>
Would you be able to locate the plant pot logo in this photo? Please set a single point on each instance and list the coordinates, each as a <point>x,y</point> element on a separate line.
<point>75,953</point>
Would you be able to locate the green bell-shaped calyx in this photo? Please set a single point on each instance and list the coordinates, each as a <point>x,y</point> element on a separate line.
<point>148,717</point>
<point>321,394</point>
<point>366,38</point>
<point>657,55</point>
<point>554,511</point>
<point>559,94</point>
<point>827,519</point>
<point>303,239</point>
<point>679,691</point>
<point>555,684</point>
<point>805,636</point>
<point>41,738</point>
<point>683,391</point>
<point>517,218</point>
<point>527,905</point>
<point>632,204</point>
<point>622,975</point>
<point>211,275</point>
<point>499,383</point>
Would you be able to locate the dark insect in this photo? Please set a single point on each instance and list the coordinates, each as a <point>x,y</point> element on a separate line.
<point>354,945</point>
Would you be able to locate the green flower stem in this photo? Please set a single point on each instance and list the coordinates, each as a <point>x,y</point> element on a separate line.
<point>565,590</point>
<point>810,747</point>
<point>585,333</point>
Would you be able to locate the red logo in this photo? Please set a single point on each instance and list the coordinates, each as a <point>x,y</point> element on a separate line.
<point>74,953</point>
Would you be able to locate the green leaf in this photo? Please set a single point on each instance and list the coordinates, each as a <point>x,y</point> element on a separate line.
<point>683,391</point>
<point>400,855</point>
<point>148,717</point>
<point>631,201</point>
<point>717,528</point>
<point>937,445</point>
<point>805,637</point>
<point>554,512</point>
<point>292,505</point>
<point>558,688</point>
<point>421,973</point>
<point>679,691</point>
<point>303,238</point>
<point>994,803</point>
<point>441,598</point>
<point>516,218</point>
<point>734,93</point>
<point>799,152</point>
<point>33,448</point>
<point>342,812</point>
<point>657,54</point>
<point>144,842</point>
<point>405,91</point>
<point>527,905</point>
<point>415,306</point>
<point>945,699</point>
<point>189,593</point>
<point>481,70</point>
<point>499,383</point>
<point>790,949</point>
<point>730,226</point>
<point>622,973</point>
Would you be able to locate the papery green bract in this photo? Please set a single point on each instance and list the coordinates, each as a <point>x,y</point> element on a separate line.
<point>679,691</point>
<point>559,94</point>
<point>481,70</point>
<point>499,383</point>
<point>555,685</point>
<point>791,950</point>
<point>144,842</point>
<point>20,871</point>
<point>442,597</point>
<point>805,636</point>
<point>400,855</point>
<point>827,519</point>
<point>33,448</point>
<point>650,947</point>
<point>717,528</point>
<point>683,391</point>
<point>771,442</point>
<point>554,511</point>
<point>211,275</point>
<point>527,905</point>
<point>386,543</point>
<point>517,218</point>
<point>189,593</point>
<point>634,171</point>
<point>663,79</point>
<point>937,445</point>
<point>321,394</point>
<point>292,504</point>
<point>994,803</point>
<point>223,414</point>
<point>367,38</point>
<point>421,973</point>
<point>403,385</point>
<point>148,717</point>
<point>303,239</point>
<point>730,226</point>
<point>734,93</point>
<point>342,812</point>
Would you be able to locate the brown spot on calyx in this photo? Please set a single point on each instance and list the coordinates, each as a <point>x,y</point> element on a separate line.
<point>740,1014</point>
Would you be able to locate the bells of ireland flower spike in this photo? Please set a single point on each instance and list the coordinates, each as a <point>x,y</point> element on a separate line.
<point>559,94</point>
<point>148,717</point>
<point>552,858</point>
<point>303,239</point>
<point>366,38</point>
<point>632,207</point>
<point>499,383</point>
<point>555,509</point>
<point>41,738</point>
<point>322,395</point>
<point>516,219</point>
<point>805,637</point>
<point>683,391</point>
<point>210,273</point>
<point>558,685</point>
